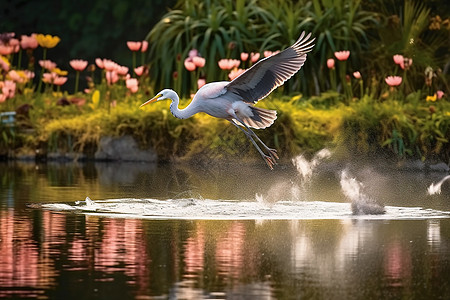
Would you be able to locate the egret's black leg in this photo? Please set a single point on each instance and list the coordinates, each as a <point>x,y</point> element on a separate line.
<point>269,159</point>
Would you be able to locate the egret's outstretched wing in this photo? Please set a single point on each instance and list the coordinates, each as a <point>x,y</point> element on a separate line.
<point>271,72</point>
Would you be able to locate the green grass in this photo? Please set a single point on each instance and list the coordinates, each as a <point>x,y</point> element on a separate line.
<point>414,128</point>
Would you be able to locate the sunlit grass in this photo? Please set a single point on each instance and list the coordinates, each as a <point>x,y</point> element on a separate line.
<point>365,126</point>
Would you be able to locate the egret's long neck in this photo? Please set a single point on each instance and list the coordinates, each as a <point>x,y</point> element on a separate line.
<point>184,113</point>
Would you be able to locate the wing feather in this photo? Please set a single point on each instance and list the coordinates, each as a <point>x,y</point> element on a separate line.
<point>271,72</point>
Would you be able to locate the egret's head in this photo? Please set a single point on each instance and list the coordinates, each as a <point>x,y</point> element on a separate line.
<point>164,94</point>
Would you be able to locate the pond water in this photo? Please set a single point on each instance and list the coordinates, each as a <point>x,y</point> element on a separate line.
<point>222,232</point>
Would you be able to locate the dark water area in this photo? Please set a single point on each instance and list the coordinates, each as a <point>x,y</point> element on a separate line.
<point>49,254</point>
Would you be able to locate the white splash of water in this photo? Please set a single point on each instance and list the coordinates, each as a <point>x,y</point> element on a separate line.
<point>436,189</point>
<point>322,154</point>
<point>305,168</point>
<point>259,198</point>
<point>87,202</point>
<point>350,187</point>
<point>209,209</point>
<point>361,203</point>
<point>280,191</point>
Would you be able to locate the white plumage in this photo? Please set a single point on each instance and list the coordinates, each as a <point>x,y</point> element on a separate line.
<point>234,100</point>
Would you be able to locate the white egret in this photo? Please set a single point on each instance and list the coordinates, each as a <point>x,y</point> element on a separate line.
<point>234,100</point>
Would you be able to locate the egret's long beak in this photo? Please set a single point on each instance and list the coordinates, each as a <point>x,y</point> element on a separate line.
<point>154,99</point>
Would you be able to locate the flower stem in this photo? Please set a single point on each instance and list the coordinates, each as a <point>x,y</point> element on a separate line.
<point>333,79</point>
<point>77,77</point>
<point>361,87</point>
<point>19,62</point>
<point>44,57</point>
<point>134,63</point>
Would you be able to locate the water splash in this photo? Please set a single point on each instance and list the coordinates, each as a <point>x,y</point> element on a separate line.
<point>207,209</point>
<point>87,202</point>
<point>294,190</point>
<point>436,189</point>
<point>362,204</point>
<point>305,168</point>
<point>280,191</point>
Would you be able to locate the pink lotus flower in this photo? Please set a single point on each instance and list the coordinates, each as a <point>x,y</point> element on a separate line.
<point>132,85</point>
<point>270,53</point>
<point>139,70</point>
<point>15,76</point>
<point>29,74</point>
<point>193,53</point>
<point>393,80</point>
<point>111,77</point>
<point>8,88</point>
<point>144,46</point>
<point>402,61</point>
<point>357,75</point>
<point>201,82</point>
<point>109,65</point>
<point>342,55</point>
<point>398,59</point>
<point>53,78</point>
<point>189,65</point>
<point>199,61</point>
<point>235,73</point>
<point>29,42</point>
<point>99,63</point>
<point>244,56</point>
<point>121,70</point>
<point>440,94</point>
<point>59,80</point>
<point>47,64</point>
<point>78,64</point>
<point>134,46</point>
<point>254,57</point>
<point>2,98</point>
<point>6,49</point>
<point>223,64</point>
<point>48,77</point>
<point>15,44</point>
<point>228,64</point>
<point>330,63</point>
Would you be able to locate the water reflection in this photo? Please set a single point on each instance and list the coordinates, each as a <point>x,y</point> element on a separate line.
<point>191,260</point>
<point>53,254</point>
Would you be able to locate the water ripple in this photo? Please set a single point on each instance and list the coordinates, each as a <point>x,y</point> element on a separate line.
<point>205,209</point>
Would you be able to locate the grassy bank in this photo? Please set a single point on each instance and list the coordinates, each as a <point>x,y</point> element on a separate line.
<point>409,129</point>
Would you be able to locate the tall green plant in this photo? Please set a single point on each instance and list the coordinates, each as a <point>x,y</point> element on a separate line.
<point>217,28</point>
<point>406,32</point>
<point>337,25</point>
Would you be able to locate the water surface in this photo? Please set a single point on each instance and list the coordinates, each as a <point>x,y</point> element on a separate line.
<point>83,255</point>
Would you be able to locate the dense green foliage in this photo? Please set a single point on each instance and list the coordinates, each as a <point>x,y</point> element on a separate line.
<point>90,29</point>
<point>373,32</point>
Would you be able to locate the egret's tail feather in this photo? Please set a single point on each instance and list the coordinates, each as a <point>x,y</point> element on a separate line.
<point>262,118</point>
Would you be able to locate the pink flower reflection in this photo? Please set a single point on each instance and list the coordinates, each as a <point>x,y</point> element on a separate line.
<point>22,264</point>
<point>194,251</point>
<point>230,251</point>
<point>397,265</point>
<point>123,243</point>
